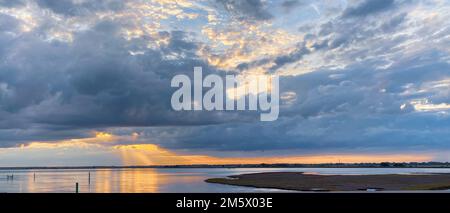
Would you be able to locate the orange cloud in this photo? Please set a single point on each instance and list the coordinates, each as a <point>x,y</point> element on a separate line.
<point>150,154</point>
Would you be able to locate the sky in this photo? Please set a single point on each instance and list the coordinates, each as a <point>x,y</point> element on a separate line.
<point>88,82</point>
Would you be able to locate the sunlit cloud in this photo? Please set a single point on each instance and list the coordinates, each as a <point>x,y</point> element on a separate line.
<point>149,154</point>
<point>85,80</point>
<point>424,105</point>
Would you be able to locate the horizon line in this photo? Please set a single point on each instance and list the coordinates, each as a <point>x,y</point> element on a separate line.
<point>260,165</point>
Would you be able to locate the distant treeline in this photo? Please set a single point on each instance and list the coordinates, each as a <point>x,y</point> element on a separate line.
<point>263,165</point>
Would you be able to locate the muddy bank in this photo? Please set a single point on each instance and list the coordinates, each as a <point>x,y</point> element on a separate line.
<point>312,182</point>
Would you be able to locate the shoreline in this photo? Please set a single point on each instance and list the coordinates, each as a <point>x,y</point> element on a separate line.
<point>302,182</point>
<point>429,165</point>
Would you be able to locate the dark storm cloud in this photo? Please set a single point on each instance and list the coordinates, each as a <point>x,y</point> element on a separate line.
<point>351,111</point>
<point>331,133</point>
<point>93,82</point>
<point>367,7</point>
<point>113,87</point>
<point>15,137</point>
<point>254,10</point>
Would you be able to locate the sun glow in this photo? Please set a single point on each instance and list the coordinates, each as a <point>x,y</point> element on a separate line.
<point>153,154</point>
<point>150,154</point>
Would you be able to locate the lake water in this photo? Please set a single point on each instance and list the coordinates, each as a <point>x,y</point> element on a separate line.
<point>158,180</point>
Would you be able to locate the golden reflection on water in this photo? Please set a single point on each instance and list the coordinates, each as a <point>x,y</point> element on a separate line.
<point>153,180</point>
<point>126,180</point>
<point>145,180</point>
<point>101,181</point>
<point>31,186</point>
<point>140,180</point>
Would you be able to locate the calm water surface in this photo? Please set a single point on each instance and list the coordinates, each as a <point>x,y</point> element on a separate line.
<point>158,180</point>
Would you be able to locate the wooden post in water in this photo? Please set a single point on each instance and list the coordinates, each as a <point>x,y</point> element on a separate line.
<point>76,187</point>
<point>89,178</point>
<point>34,176</point>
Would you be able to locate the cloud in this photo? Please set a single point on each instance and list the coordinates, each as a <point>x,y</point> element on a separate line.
<point>8,24</point>
<point>294,56</point>
<point>253,10</point>
<point>11,3</point>
<point>367,7</point>
<point>288,5</point>
<point>339,37</point>
<point>73,8</point>
<point>91,82</point>
<point>360,110</point>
